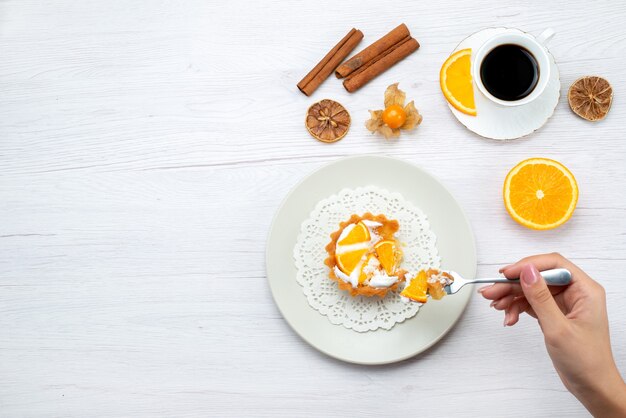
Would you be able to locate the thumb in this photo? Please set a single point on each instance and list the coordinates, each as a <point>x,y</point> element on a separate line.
<point>538,295</point>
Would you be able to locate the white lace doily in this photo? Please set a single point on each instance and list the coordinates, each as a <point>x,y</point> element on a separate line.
<point>361,313</point>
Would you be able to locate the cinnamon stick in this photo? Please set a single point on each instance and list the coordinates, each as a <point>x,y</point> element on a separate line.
<point>394,37</point>
<point>363,75</point>
<point>328,64</point>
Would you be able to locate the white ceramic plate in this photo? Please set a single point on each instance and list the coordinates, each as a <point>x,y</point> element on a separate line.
<point>500,122</point>
<point>455,243</point>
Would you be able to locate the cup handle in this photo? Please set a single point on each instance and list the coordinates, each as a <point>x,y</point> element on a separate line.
<point>545,36</point>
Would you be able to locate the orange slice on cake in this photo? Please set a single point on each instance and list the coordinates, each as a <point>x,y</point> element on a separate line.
<point>455,79</point>
<point>426,283</point>
<point>360,233</point>
<point>363,274</point>
<point>387,255</point>
<point>352,248</point>
<point>417,289</point>
<point>350,260</point>
<point>540,193</point>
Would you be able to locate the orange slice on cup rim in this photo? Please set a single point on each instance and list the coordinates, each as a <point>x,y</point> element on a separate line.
<point>540,193</point>
<point>455,79</point>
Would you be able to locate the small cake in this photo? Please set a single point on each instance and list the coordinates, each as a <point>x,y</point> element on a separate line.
<point>427,282</point>
<point>364,256</point>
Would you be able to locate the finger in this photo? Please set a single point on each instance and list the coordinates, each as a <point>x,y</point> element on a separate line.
<point>524,307</point>
<point>519,306</point>
<point>505,267</point>
<point>504,303</point>
<point>512,314</point>
<point>500,290</point>
<point>540,299</point>
<point>542,262</point>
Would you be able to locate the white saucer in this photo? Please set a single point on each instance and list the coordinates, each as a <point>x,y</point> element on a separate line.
<point>455,244</point>
<point>499,122</point>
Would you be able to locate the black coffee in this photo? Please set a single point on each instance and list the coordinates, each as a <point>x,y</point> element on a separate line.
<point>509,72</point>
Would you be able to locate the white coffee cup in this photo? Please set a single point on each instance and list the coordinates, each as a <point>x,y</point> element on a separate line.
<point>536,46</point>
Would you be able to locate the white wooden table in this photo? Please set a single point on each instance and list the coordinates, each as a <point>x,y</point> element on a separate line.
<point>144,148</point>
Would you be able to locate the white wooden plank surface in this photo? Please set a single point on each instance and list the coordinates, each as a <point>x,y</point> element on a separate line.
<point>144,147</point>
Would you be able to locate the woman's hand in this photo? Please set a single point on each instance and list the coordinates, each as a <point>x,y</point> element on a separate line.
<point>575,325</point>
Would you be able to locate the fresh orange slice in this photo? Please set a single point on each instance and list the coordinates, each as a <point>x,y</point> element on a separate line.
<point>540,193</point>
<point>417,288</point>
<point>386,252</point>
<point>363,274</point>
<point>358,234</point>
<point>348,261</point>
<point>455,79</point>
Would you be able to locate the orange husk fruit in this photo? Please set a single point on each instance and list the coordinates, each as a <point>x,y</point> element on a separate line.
<point>405,117</point>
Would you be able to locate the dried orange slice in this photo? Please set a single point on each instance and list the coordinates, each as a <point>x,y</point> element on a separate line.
<point>386,252</point>
<point>327,121</point>
<point>455,79</point>
<point>417,288</point>
<point>360,233</point>
<point>540,193</point>
<point>590,98</point>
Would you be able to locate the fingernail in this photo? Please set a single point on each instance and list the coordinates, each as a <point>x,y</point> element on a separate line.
<point>506,319</point>
<point>481,289</point>
<point>493,303</point>
<point>529,274</point>
<point>505,267</point>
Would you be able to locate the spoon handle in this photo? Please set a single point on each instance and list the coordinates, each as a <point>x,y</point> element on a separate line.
<point>553,277</point>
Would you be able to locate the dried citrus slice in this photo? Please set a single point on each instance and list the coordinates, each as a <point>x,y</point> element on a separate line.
<point>417,288</point>
<point>386,252</point>
<point>359,233</point>
<point>540,193</point>
<point>590,98</point>
<point>349,260</point>
<point>455,79</point>
<point>327,121</point>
